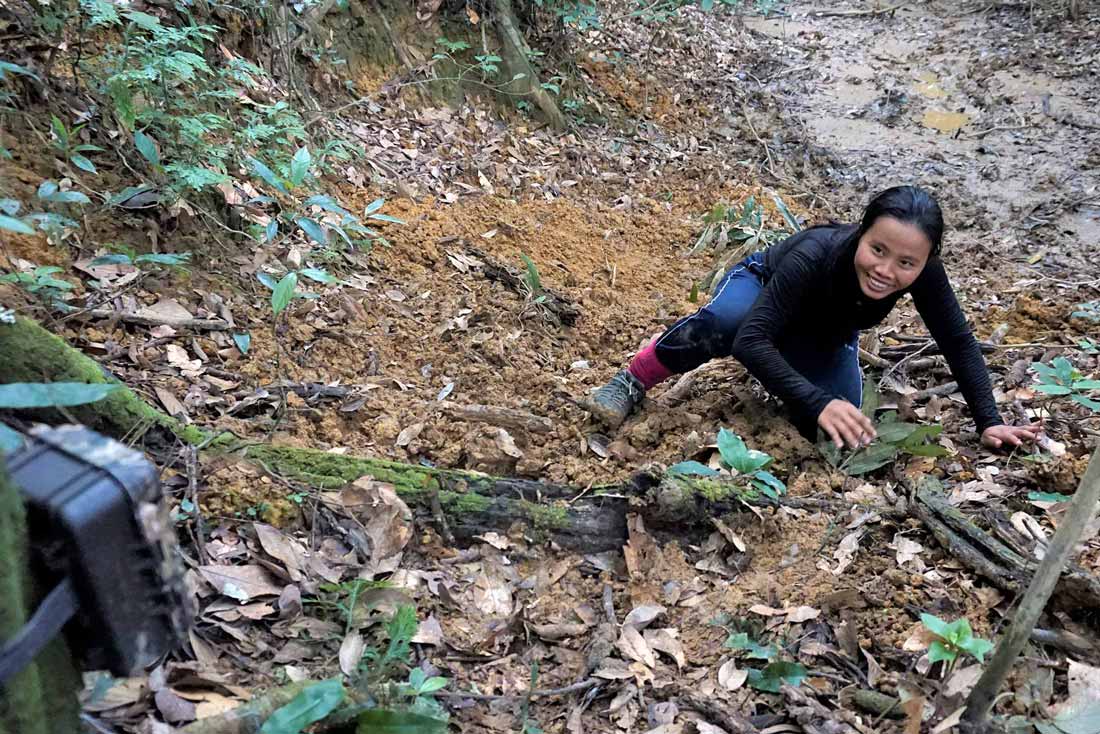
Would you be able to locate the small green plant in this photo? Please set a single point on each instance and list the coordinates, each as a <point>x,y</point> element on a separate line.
<point>733,232</point>
<point>284,290</point>
<point>894,438</point>
<point>776,673</point>
<point>952,640</point>
<point>420,684</point>
<point>301,216</point>
<point>65,143</point>
<point>1060,378</point>
<point>1088,346</point>
<point>740,461</point>
<point>126,255</point>
<point>42,284</point>
<point>313,704</point>
<point>531,279</point>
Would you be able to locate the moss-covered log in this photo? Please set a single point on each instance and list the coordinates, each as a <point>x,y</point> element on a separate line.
<point>42,698</point>
<point>29,353</point>
<point>471,503</point>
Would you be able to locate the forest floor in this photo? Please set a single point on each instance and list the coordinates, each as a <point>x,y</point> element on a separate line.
<point>990,105</point>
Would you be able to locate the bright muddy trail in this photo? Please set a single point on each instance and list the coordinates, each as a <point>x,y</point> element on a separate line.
<point>991,107</point>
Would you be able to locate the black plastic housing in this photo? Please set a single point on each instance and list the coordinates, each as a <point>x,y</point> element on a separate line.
<point>94,515</point>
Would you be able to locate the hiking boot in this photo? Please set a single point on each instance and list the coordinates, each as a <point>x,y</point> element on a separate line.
<point>613,402</point>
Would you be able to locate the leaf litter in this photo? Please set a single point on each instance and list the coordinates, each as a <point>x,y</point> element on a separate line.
<point>840,599</point>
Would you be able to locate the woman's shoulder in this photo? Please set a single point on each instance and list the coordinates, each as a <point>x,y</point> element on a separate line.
<point>816,244</point>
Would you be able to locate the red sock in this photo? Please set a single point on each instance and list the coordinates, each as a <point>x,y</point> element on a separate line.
<point>647,368</point>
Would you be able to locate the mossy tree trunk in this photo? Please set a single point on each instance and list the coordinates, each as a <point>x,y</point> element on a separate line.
<point>42,699</point>
<point>29,353</point>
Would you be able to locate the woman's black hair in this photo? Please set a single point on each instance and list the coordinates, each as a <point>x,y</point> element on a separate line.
<point>909,204</point>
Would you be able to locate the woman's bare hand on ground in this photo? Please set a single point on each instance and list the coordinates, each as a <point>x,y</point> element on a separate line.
<point>845,424</point>
<point>997,436</point>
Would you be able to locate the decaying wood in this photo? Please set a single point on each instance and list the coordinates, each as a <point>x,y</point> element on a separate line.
<point>519,420</point>
<point>141,320</point>
<point>1046,578</point>
<point>517,56</point>
<point>561,307</point>
<point>985,554</point>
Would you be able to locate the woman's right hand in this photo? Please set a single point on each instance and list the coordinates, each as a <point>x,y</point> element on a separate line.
<point>845,424</point>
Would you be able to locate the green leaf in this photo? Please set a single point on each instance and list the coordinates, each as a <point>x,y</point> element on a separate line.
<point>769,479</point>
<point>977,647</point>
<point>15,225</point>
<point>243,342</point>
<point>318,275</point>
<point>53,394</point>
<point>147,147</point>
<point>308,707</point>
<point>868,459</point>
<point>895,432</point>
<point>534,281</point>
<point>267,279</point>
<point>299,166</point>
<point>741,641</point>
<point>1053,389</point>
<point>1089,403</point>
<point>386,218</point>
<point>692,468</point>
<point>738,456</point>
<point>172,259</point>
<point>935,625</point>
<point>268,175</point>
<point>938,651</point>
<point>6,66</point>
<point>788,217</point>
<point>326,203</point>
<point>46,189</point>
<point>144,20</point>
<point>433,684</point>
<point>386,721</point>
<point>774,675</point>
<point>59,131</point>
<point>83,163</point>
<point>10,439</point>
<point>1048,497</point>
<point>1086,385</point>
<point>313,230</point>
<point>283,292</point>
<point>373,207</point>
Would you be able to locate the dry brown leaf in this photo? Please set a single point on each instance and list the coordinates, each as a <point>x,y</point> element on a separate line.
<point>633,645</point>
<point>282,548</point>
<point>963,680</point>
<point>907,551</point>
<point>351,652</point>
<point>213,704</point>
<point>664,640</point>
<point>766,611</point>
<point>874,670</point>
<point>507,444</point>
<point>408,434</point>
<point>429,632</point>
<point>730,677</point>
<point>168,309</point>
<point>492,595</point>
<point>386,520</point>
<point>124,692</point>
<point>174,709</point>
<point>171,405</point>
<point>918,639</point>
<point>640,617</point>
<point>555,632</point>
<point>242,583</point>
<point>797,615</point>
<point>614,669</point>
<point>729,535</point>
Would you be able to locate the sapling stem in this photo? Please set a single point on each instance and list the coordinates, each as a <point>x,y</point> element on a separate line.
<point>1080,511</point>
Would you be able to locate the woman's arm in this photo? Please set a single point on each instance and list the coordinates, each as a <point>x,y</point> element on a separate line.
<point>938,306</point>
<point>798,276</point>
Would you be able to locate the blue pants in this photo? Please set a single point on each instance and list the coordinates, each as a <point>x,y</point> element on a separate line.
<point>709,334</point>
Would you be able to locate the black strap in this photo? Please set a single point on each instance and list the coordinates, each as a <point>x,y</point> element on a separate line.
<point>56,609</point>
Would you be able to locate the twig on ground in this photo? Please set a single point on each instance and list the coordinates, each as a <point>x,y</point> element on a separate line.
<point>133,318</point>
<point>504,417</point>
<point>870,12</point>
<point>583,685</point>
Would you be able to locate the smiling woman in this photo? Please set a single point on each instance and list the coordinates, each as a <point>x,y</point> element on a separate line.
<point>792,315</point>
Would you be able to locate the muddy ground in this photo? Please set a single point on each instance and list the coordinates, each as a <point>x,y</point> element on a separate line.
<point>992,106</point>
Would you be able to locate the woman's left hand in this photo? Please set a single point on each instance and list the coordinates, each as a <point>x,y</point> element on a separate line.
<point>997,436</point>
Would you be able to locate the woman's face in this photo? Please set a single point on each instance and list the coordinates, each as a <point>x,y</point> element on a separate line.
<point>890,256</point>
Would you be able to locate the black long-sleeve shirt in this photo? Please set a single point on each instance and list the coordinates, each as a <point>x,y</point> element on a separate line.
<point>813,293</point>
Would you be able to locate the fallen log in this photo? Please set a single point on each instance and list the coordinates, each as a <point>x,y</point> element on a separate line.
<point>504,417</point>
<point>145,320</point>
<point>986,555</point>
